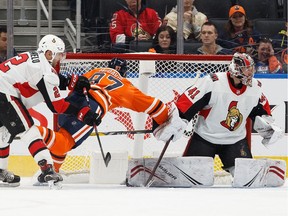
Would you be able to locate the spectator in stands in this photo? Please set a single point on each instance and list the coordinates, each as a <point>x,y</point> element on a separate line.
<point>193,20</point>
<point>136,22</point>
<point>164,41</point>
<point>3,44</point>
<point>208,36</point>
<point>266,62</point>
<point>239,34</point>
<point>281,46</point>
<point>280,40</point>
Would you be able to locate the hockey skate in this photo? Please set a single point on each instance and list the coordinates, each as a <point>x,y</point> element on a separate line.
<point>8,179</point>
<point>49,176</point>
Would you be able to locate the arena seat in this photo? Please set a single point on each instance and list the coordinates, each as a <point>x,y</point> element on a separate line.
<point>161,6</point>
<point>219,23</point>
<point>212,9</point>
<point>191,47</point>
<point>269,27</point>
<point>257,9</point>
<point>140,46</point>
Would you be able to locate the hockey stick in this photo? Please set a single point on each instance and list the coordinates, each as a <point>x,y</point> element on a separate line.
<point>106,158</point>
<point>123,132</point>
<point>150,180</point>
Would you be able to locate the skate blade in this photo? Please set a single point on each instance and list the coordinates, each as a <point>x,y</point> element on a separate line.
<point>40,184</point>
<point>10,184</point>
<point>54,185</point>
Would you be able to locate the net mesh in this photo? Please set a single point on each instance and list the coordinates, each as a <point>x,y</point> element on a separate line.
<point>170,79</point>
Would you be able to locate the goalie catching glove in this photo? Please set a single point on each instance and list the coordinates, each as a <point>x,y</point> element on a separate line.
<point>270,132</point>
<point>174,126</point>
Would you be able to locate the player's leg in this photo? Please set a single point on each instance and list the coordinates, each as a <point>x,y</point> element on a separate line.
<point>18,121</point>
<point>259,173</point>
<point>229,153</point>
<point>58,143</point>
<point>71,134</point>
<point>197,146</point>
<point>7,178</point>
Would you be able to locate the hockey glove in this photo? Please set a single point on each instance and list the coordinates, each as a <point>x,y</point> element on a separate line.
<point>77,83</point>
<point>174,126</point>
<point>89,117</point>
<point>266,127</point>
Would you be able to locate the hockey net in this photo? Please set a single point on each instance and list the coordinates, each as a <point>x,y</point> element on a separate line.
<point>159,75</point>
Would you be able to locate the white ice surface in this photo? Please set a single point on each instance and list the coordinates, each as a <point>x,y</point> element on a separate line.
<point>118,200</point>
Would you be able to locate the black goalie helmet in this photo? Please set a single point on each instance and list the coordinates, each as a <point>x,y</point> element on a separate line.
<point>119,64</point>
<point>242,67</point>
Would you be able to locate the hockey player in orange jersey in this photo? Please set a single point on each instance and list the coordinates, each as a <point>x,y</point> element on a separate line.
<point>109,89</point>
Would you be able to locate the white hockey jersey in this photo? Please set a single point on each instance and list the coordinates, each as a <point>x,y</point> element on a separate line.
<point>223,109</point>
<point>31,78</point>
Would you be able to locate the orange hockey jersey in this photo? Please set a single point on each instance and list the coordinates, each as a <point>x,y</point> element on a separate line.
<point>111,90</point>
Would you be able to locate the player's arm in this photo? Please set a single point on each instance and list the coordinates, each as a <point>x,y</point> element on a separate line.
<point>264,122</point>
<point>74,83</point>
<point>187,106</point>
<point>195,98</point>
<point>48,86</point>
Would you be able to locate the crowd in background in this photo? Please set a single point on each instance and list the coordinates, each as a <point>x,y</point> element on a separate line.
<point>139,23</point>
<point>138,28</point>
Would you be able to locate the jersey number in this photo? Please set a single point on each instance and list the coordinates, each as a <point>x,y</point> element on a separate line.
<point>193,92</point>
<point>116,83</point>
<point>13,61</point>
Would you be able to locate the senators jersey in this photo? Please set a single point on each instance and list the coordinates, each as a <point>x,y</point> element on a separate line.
<point>31,78</point>
<point>124,23</point>
<point>223,109</point>
<point>111,90</point>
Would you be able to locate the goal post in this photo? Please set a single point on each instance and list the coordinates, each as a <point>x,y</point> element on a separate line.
<point>159,75</point>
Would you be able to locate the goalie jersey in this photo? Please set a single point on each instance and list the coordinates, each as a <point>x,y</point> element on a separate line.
<point>223,109</point>
<point>111,90</point>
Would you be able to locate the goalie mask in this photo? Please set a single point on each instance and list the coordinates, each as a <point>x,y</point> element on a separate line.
<point>119,64</point>
<point>242,67</point>
<point>54,44</point>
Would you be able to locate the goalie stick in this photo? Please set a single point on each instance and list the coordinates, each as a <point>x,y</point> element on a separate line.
<point>123,132</point>
<point>150,179</point>
<point>106,158</point>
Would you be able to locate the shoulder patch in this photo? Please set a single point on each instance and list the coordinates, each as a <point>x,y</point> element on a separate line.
<point>214,77</point>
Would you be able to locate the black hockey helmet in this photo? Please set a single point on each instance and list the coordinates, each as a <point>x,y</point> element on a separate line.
<point>122,63</point>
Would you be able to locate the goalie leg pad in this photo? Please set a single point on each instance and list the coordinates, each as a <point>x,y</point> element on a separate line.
<point>172,172</point>
<point>254,173</point>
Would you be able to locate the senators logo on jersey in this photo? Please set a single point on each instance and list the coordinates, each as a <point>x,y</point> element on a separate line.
<point>234,118</point>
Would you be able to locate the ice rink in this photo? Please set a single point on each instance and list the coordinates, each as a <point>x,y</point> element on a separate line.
<point>118,200</point>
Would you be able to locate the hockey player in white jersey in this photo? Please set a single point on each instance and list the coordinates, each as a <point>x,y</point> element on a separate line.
<point>25,81</point>
<point>224,102</point>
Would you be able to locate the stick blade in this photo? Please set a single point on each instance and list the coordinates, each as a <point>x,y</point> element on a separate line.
<point>107,159</point>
